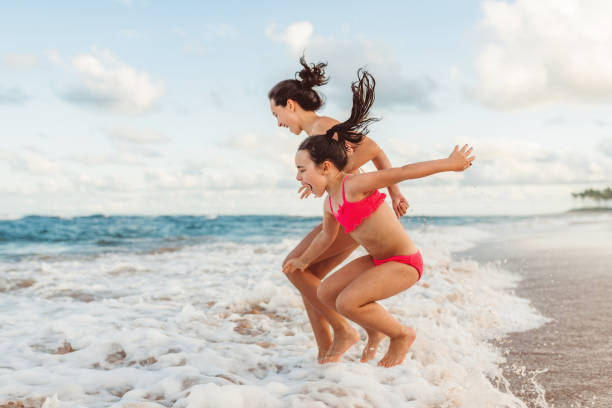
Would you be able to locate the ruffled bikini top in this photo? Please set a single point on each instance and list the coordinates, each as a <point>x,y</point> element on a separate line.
<point>351,214</point>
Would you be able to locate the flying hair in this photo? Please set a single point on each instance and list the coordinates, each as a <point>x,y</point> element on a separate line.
<point>332,145</point>
<point>300,90</point>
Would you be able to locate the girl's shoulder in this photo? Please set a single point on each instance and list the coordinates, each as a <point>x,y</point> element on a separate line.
<point>322,124</point>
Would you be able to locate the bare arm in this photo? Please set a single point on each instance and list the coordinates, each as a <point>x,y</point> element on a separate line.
<point>319,244</point>
<point>457,161</point>
<point>381,162</point>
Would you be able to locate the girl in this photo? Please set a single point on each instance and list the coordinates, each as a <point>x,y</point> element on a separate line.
<point>394,263</point>
<point>294,103</point>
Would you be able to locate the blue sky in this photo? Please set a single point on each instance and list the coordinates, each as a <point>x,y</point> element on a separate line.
<point>151,107</point>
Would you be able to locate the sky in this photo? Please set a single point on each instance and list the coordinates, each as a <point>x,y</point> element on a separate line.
<point>157,107</point>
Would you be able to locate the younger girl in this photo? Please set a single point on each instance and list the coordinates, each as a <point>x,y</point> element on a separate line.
<point>394,263</point>
<point>294,103</point>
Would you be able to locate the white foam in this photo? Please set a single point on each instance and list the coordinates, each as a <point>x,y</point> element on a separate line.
<point>11,217</point>
<point>218,325</point>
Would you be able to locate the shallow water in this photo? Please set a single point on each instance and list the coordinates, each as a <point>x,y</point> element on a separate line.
<point>212,322</point>
<point>567,273</point>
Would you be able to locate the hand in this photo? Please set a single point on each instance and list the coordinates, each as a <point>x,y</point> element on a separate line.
<point>399,204</point>
<point>292,265</point>
<point>459,160</point>
<point>305,190</point>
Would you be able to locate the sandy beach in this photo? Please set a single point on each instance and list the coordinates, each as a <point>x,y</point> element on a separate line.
<point>566,274</point>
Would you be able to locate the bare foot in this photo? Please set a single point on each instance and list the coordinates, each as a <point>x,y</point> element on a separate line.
<point>322,352</point>
<point>343,340</point>
<point>374,339</point>
<point>398,348</point>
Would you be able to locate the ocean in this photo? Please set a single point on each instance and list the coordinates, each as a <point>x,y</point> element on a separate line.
<point>193,311</point>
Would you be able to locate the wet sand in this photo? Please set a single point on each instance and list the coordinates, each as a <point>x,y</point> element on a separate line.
<point>567,275</point>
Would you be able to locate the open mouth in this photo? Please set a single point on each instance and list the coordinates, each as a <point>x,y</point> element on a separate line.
<point>309,186</point>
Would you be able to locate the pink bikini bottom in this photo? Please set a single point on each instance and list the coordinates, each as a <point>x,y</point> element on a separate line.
<point>415,260</point>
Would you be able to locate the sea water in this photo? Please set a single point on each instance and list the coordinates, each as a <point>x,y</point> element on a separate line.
<point>193,311</point>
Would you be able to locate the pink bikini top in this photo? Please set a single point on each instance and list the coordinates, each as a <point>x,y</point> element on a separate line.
<point>351,214</point>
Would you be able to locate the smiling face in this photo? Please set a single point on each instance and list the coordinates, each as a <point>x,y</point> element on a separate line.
<point>309,174</point>
<point>286,116</point>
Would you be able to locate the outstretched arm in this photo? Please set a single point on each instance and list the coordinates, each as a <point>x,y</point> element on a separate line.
<point>319,244</point>
<point>458,160</point>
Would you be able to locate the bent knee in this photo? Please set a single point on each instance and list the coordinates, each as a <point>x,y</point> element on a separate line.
<point>345,305</point>
<point>326,296</point>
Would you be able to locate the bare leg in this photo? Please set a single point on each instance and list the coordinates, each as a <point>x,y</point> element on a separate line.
<point>320,328</point>
<point>357,301</point>
<point>308,281</point>
<point>329,291</point>
<point>374,339</point>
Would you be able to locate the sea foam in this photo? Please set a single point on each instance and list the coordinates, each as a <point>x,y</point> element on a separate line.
<point>218,325</point>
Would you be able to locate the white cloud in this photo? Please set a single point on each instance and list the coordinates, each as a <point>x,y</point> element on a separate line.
<point>540,51</point>
<point>345,56</point>
<point>218,179</point>
<point>605,146</point>
<point>136,136</point>
<point>454,72</point>
<point>91,159</point>
<point>20,61</point>
<point>279,147</point>
<point>34,163</point>
<point>172,180</point>
<point>55,57</point>
<point>109,83</point>
<point>85,182</point>
<point>406,152</point>
<point>124,154</point>
<point>12,96</point>
<point>506,162</point>
<point>296,36</point>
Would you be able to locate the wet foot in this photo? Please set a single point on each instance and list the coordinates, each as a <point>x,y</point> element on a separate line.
<point>398,348</point>
<point>343,340</point>
<point>374,339</point>
<point>323,352</point>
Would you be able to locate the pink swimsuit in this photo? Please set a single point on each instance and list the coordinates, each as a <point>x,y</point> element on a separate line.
<point>351,214</point>
<point>415,260</point>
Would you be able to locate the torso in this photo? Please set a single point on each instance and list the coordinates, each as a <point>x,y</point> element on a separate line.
<point>391,239</point>
<point>381,233</point>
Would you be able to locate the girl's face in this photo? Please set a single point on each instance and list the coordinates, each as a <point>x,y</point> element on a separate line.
<point>309,174</point>
<point>286,116</point>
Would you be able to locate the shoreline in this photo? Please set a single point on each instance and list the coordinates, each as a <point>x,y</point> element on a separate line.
<point>565,274</point>
<point>17,216</point>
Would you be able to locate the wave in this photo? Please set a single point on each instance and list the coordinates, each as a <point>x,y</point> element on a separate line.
<point>217,322</point>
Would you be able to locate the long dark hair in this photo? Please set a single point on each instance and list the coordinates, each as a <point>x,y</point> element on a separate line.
<point>300,90</point>
<point>326,147</point>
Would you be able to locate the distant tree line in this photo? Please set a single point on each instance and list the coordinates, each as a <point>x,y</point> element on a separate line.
<point>597,195</point>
